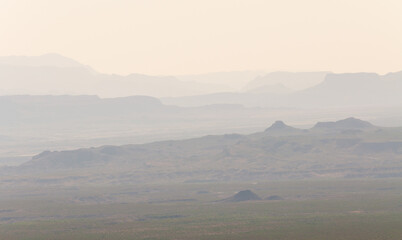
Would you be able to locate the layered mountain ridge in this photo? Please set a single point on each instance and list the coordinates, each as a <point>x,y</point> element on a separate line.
<point>58,75</point>
<point>363,151</point>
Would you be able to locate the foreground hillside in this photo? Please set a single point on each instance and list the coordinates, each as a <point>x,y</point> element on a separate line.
<point>349,148</point>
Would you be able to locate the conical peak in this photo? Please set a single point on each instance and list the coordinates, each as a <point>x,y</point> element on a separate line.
<point>279,124</point>
<point>280,128</point>
<point>245,195</point>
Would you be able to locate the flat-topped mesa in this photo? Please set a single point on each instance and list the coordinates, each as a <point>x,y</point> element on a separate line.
<point>345,124</point>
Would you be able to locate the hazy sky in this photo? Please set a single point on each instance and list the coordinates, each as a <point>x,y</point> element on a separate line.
<point>185,36</point>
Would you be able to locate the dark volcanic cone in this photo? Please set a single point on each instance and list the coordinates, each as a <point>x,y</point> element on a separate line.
<point>245,195</point>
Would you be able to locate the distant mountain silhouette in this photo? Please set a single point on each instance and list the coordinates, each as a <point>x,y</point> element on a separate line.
<point>292,80</point>
<point>67,110</point>
<point>58,75</point>
<point>352,89</point>
<point>278,125</point>
<point>336,90</point>
<point>46,60</point>
<point>245,195</point>
<point>270,89</point>
<point>236,80</point>
<point>280,128</point>
<point>346,124</point>
<point>232,157</point>
<point>260,92</point>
